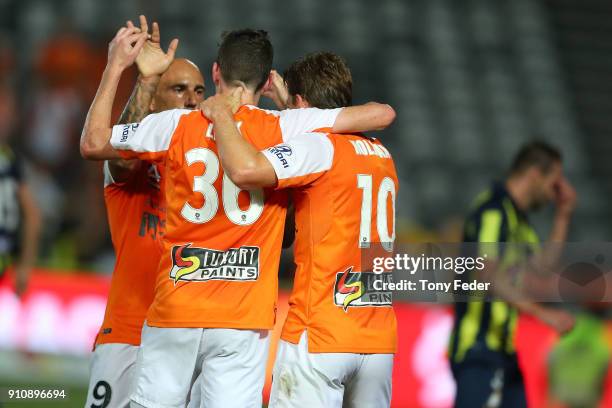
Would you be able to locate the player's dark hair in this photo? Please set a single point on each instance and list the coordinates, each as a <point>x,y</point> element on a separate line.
<point>323,79</point>
<point>245,56</point>
<point>539,154</point>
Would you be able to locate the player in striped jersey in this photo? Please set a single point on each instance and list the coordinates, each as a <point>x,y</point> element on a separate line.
<point>482,350</point>
<point>20,219</point>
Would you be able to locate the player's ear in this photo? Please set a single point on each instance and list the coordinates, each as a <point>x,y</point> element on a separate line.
<point>216,74</point>
<point>268,82</point>
<point>300,102</point>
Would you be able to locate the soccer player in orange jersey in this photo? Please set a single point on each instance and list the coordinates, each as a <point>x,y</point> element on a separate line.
<point>340,334</point>
<point>136,216</point>
<point>216,288</point>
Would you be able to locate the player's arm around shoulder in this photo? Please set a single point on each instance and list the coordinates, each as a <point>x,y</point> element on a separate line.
<point>241,161</point>
<point>353,119</point>
<point>364,118</point>
<point>301,161</point>
<point>298,159</point>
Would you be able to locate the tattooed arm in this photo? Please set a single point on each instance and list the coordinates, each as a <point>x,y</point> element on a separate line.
<point>140,100</point>
<point>135,111</point>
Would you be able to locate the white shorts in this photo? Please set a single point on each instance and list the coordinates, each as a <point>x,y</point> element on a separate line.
<point>111,370</point>
<point>331,380</point>
<point>229,367</point>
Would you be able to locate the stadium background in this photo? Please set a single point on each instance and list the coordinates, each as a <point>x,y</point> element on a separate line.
<point>471,80</point>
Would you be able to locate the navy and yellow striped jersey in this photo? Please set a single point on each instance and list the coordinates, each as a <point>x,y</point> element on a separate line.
<point>483,325</point>
<point>10,209</point>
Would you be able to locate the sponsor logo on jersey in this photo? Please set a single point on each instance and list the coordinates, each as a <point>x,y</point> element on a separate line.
<point>130,127</point>
<point>356,289</point>
<point>281,152</point>
<point>194,264</point>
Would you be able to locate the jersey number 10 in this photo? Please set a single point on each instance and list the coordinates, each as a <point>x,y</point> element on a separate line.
<point>387,186</point>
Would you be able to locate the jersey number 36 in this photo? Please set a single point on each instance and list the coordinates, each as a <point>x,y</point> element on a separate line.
<point>204,185</point>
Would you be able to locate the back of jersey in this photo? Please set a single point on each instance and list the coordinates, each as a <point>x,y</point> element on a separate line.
<point>222,245</point>
<point>342,213</point>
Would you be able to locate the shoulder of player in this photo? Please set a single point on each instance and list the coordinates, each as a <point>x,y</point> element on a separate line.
<point>254,111</point>
<point>287,114</point>
<point>189,117</point>
<point>488,199</point>
<point>487,209</point>
<point>171,118</point>
<point>171,114</point>
<point>277,113</point>
<point>164,122</point>
<point>361,145</point>
<point>192,121</point>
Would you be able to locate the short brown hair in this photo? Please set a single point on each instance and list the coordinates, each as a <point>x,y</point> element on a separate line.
<point>245,56</point>
<point>536,154</point>
<point>323,79</point>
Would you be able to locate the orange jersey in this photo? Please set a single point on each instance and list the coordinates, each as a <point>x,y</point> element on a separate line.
<point>221,248</point>
<point>136,216</point>
<point>344,200</point>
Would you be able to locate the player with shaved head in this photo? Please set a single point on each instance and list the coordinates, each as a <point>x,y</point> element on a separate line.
<point>136,215</point>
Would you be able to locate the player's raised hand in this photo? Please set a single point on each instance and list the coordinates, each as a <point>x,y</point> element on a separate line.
<point>276,89</point>
<point>152,60</point>
<point>124,48</point>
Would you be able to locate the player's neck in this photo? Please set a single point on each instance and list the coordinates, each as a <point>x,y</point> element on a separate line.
<point>518,188</point>
<point>248,97</point>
